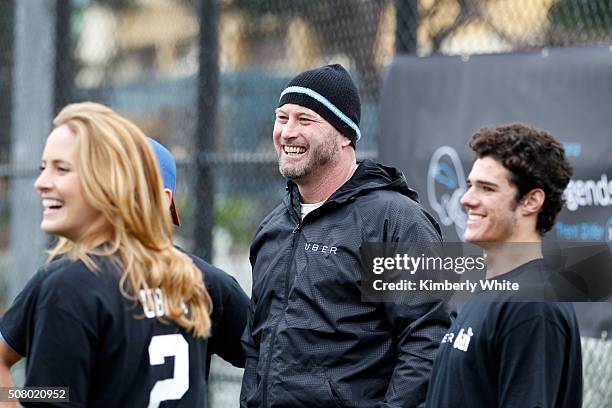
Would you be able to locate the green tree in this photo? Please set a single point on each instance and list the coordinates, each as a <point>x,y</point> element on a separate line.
<point>580,21</point>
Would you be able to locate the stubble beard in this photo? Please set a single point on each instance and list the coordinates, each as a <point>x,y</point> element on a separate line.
<point>320,157</point>
<point>501,230</point>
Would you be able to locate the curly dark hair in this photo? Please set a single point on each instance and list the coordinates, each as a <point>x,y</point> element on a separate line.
<point>534,159</point>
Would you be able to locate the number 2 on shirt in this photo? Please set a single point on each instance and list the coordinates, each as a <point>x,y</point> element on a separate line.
<point>169,345</point>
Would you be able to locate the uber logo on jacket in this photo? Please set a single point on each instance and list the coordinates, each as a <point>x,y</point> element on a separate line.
<point>326,249</point>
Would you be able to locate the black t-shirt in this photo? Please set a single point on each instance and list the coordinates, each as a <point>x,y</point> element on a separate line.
<point>16,323</point>
<point>510,354</point>
<point>77,330</point>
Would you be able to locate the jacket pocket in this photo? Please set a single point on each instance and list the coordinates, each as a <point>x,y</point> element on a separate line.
<point>333,394</point>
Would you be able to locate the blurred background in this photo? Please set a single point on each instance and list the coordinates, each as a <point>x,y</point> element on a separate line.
<point>203,77</point>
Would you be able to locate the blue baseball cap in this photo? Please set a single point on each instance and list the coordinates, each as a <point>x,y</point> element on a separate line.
<point>167,167</point>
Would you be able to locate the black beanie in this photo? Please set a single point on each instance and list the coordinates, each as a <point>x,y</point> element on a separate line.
<point>331,93</point>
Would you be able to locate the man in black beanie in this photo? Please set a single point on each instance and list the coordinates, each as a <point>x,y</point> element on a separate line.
<point>311,341</point>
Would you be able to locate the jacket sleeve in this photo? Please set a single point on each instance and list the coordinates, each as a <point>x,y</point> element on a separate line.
<point>418,327</point>
<point>418,331</point>
<point>230,309</point>
<point>251,340</point>
<point>251,352</point>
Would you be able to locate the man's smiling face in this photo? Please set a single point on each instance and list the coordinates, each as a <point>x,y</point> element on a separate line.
<point>304,141</point>
<point>490,202</point>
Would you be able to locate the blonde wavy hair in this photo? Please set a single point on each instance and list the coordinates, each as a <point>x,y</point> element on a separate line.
<point>120,178</point>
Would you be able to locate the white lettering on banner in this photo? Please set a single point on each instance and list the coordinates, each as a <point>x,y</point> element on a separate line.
<point>588,193</point>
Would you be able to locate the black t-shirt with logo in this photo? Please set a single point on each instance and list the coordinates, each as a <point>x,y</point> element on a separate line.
<point>78,331</point>
<point>510,354</point>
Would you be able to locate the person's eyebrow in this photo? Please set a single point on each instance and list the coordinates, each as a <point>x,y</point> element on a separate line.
<point>482,183</point>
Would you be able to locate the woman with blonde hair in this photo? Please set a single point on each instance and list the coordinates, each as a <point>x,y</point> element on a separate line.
<point>115,300</point>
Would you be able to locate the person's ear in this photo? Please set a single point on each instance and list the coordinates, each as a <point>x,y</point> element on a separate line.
<point>168,197</point>
<point>533,201</point>
<point>345,141</point>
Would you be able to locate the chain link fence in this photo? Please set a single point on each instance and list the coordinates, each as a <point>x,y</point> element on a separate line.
<point>203,77</point>
<point>6,57</point>
<point>597,372</point>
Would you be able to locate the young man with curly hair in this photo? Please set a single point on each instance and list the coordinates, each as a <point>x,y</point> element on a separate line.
<point>510,353</point>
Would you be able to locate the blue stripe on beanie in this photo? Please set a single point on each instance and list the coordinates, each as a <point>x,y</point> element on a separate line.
<point>327,103</point>
<point>330,92</point>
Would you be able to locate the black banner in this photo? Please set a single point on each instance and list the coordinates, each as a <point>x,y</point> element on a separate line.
<point>431,107</point>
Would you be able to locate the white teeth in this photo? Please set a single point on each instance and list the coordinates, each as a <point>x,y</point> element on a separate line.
<point>48,203</point>
<point>475,217</point>
<point>294,149</point>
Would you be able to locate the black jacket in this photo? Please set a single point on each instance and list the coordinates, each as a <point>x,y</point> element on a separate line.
<point>310,340</point>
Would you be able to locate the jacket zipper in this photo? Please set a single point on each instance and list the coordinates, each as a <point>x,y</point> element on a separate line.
<point>264,381</point>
